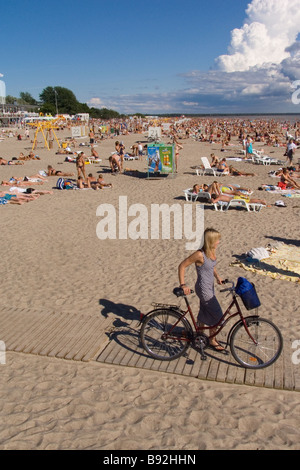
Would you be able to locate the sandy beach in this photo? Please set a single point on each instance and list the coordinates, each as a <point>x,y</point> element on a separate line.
<point>53,261</point>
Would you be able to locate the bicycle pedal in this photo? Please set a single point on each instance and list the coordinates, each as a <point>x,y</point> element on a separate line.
<point>203,358</point>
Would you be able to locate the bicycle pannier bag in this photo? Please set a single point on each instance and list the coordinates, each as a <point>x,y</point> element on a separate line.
<point>246,290</point>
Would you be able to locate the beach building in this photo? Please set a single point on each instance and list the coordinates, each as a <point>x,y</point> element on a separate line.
<point>2,91</point>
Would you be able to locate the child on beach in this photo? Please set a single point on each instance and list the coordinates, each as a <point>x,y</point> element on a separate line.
<point>205,261</point>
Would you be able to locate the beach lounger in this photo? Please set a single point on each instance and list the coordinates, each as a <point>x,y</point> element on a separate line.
<point>250,207</point>
<point>208,170</point>
<point>202,196</point>
<point>264,160</point>
<point>205,197</point>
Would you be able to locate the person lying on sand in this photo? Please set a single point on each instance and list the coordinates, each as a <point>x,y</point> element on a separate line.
<point>66,151</point>
<point>31,156</point>
<point>14,161</point>
<point>52,172</point>
<point>234,172</point>
<point>28,182</point>
<point>6,198</point>
<point>17,190</point>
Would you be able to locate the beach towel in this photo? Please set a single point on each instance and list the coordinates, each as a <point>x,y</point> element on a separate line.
<point>60,183</point>
<point>283,263</point>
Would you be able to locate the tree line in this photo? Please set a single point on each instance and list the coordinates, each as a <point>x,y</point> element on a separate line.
<point>60,100</point>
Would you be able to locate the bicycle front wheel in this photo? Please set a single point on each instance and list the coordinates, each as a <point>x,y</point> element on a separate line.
<point>164,335</point>
<point>260,347</point>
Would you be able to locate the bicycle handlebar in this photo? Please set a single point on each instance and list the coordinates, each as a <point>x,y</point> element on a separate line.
<point>178,291</point>
<point>228,288</point>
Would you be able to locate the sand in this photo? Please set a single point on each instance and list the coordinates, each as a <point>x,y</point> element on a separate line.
<point>52,260</point>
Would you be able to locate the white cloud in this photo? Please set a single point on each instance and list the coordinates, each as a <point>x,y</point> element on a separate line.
<point>253,89</point>
<point>269,31</point>
<point>95,102</point>
<point>255,76</point>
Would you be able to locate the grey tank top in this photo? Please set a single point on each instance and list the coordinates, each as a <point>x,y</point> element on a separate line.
<point>204,286</point>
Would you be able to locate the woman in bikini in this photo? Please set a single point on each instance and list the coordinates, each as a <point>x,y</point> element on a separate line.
<point>52,172</point>
<point>80,165</point>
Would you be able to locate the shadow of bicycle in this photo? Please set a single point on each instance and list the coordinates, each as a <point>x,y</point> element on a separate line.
<point>125,347</point>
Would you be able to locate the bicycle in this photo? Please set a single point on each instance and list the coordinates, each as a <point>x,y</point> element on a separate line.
<point>166,333</point>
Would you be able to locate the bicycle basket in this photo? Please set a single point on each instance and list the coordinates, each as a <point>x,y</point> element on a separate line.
<point>247,292</point>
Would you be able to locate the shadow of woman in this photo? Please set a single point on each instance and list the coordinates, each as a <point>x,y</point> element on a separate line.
<point>127,312</point>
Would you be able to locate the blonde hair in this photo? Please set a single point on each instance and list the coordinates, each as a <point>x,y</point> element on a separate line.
<point>210,237</point>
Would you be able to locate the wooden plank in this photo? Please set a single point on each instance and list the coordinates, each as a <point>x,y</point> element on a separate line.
<point>86,341</point>
<point>40,333</point>
<point>178,365</point>
<point>204,367</point>
<point>23,340</point>
<point>278,372</point>
<point>73,338</point>
<point>289,382</point>
<point>269,377</point>
<point>20,338</point>
<point>16,326</point>
<point>52,348</point>
<point>240,375</point>
<point>45,336</point>
<point>191,362</point>
<point>212,372</point>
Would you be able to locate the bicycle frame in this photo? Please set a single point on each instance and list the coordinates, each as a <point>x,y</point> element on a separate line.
<point>218,326</point>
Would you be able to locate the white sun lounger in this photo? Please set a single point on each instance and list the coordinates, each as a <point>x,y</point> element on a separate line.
<point>251,207</point>
<point>208,170</point>
<point>202,196</point>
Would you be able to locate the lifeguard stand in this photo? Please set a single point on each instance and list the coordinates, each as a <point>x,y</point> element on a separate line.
<point>47,127</point>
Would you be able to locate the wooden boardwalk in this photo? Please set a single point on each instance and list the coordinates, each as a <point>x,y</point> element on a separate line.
<point>76,337</point>
<point>82,337</point>
<point>124,349</point>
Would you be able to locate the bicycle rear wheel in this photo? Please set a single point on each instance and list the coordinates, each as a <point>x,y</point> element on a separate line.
<point>161,339</point>
<point>263,351</point>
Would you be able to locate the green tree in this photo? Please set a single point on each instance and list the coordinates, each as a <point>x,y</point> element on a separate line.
<point>27,98</point>
<point>63,99</point>
<point>48,108</point>
<point>11,99</point>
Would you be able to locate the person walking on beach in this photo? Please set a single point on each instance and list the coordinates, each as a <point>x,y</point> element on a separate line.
<point>249,149</point>
<point>205,261</point>
<point>290,151</point>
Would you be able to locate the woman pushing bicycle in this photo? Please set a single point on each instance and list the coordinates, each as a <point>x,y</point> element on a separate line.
<point>205,260</point>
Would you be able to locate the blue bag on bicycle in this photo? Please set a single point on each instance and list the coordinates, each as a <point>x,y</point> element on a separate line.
<point>246,290</point>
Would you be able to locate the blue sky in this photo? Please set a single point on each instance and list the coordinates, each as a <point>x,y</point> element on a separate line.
<point>155,56</point>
